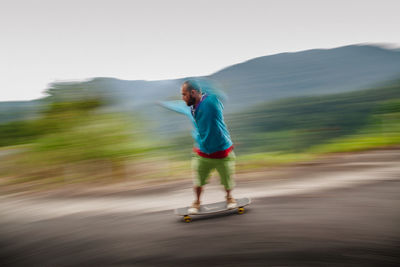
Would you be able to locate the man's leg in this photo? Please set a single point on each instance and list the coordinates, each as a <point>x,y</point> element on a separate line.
<point>226,170</point>
<point>198,190</point>
<point>196,204</point>
<point>228,193</point>
<point>202,168</point>
<point>230,201</point>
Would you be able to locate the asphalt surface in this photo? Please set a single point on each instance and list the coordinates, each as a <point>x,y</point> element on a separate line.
<point>344,224</point>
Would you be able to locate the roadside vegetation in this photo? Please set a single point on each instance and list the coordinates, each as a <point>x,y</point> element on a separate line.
<point>76,137</point>
<point>72,141</point>
<point>300,129</point>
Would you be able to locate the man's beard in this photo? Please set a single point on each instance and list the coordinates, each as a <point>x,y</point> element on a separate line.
<point>191,101</point>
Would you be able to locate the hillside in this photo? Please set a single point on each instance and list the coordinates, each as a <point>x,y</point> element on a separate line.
<point>260,80</point>
<point>297,124</point>
<point>269,78</point>
<point>306,73</point>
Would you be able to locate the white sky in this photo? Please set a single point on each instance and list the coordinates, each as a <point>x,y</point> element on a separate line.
<point>47,40</point>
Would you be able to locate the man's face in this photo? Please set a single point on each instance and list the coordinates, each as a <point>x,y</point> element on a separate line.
<point>187,96</point>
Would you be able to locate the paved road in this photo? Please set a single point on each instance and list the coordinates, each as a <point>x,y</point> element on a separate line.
<point>346,213</point>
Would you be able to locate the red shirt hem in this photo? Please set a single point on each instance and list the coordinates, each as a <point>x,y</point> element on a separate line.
<point>216,155</point>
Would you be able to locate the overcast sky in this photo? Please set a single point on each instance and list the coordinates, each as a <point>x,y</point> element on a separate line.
<point>43,41</point>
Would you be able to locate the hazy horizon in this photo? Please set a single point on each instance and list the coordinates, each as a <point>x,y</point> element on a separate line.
<point>48,41</point>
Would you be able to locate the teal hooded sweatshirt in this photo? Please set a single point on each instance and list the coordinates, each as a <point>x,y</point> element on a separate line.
<point>209,129</point>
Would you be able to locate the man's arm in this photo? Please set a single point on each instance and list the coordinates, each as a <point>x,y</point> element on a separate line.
<point>177,106</point>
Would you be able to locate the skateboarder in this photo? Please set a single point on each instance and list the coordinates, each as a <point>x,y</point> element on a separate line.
<point>213,146</point>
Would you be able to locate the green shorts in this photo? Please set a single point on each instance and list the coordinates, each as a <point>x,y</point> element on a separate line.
<point>202,168</point>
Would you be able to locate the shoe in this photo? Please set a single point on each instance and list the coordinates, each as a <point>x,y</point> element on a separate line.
<point>231,203</point>
<point>194,208</point>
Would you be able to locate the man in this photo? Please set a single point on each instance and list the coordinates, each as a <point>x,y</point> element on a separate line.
<point>213,148</point>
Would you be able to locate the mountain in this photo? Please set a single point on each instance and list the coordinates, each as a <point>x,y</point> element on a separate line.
<point>306,73</point>
<point>260,80</point>
<point>18,110</point>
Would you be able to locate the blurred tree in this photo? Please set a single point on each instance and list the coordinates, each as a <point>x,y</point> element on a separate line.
<point>74,135</point>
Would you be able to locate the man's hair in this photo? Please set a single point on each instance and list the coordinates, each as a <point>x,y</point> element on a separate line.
<point>192,85</point>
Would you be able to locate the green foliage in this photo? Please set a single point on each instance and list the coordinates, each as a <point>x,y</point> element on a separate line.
<point>73,140</point>
<point>74,131</point>
<point>104,136</point>
<point>382,130</point>
<point>295,125</point>
<point>77,138</point>
<point>55,117</point>
<point>18,132</point>
<point>260,160</point>
<point>387,107</point>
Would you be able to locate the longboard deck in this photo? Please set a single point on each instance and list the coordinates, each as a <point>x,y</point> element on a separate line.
<point>213,207</point>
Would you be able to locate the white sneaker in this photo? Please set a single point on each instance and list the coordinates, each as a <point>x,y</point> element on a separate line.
<point>231,206</point>
<point>194,208</point>
<point>231,203</point>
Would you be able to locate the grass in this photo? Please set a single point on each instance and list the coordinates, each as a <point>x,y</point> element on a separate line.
<point>259,160</point>
<point>25,165</point>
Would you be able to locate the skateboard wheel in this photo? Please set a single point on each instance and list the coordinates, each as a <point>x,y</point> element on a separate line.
<point>187,219</point>
<point>241,210</point>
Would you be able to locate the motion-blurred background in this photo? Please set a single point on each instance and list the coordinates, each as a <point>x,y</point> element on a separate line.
<point>92,166</point>
<point>280,109</point>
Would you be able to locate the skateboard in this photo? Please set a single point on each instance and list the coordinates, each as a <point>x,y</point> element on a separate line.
<point>213,208</point>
